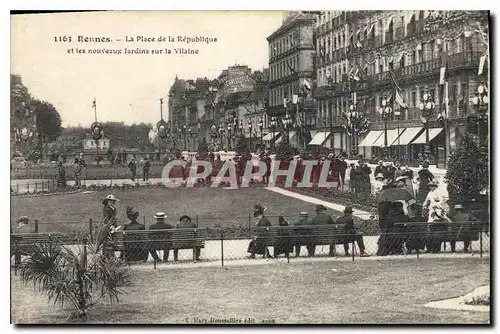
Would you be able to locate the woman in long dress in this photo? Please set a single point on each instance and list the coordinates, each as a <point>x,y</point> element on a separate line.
<point>424,178</point>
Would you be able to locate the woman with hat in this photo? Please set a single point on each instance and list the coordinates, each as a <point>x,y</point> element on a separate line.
<point>378,184</point>
<point>424,178</point>
<point>256,245</point>
<point>109,208</point>
<point>433,200</point>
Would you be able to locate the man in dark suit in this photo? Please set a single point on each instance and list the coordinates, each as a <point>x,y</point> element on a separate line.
<point>323,219</point>
<point>304,221</point>
<point>134,248</point>
<point>349,225</point>
<point>162,243</point>
<point>460,216</point>
<point>185,222</point>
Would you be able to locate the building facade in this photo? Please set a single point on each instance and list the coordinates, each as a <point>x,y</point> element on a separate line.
<point>291,66</point>
<point>366,57</point>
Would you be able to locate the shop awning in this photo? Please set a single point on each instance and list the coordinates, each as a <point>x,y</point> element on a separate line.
<point>319,138</point>
<point>392,135</point>
<point>407,136</point>
<point>370,138</point>
<point>432,134</point>
<point>291,134</point>
<point>270,136</point>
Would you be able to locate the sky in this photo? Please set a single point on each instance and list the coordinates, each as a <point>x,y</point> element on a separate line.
<point>127,87</point>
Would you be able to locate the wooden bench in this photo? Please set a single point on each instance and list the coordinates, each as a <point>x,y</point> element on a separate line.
<point>24,243</point>
<point>330,234</point>
<point>177,238</point>
<point>418,234</point>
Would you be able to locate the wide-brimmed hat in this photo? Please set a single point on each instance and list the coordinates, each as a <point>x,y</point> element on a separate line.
<point>321,207</point>
<point>185,217</point>
<point>432,184</point>
<point>379,176</point>
<point>400,178</point>
<point>258,210</point>
<point>303,213</point>
<point>458,207</point>
<point>381,161</point>
<point>348,209</point>
<point>111,197</point>
<point>160,215</point>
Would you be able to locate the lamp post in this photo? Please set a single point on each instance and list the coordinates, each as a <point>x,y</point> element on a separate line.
<point>221,134</point>
<point>273,125</point>
<point>261,127</point>
<point>385,110</point>
<point>397,114</point>
<point>355,124</point>
<point>481,101</point>
<point>250,127</point>
<point>287,124</point>
<point>184,132</point>
<point>241,127</point>
<point>427,106</point>
<point>229,129</point>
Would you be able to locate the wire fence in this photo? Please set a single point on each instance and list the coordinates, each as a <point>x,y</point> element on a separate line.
<point>220,245</point>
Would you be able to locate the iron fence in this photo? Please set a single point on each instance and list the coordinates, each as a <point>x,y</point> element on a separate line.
<point>219,246</point>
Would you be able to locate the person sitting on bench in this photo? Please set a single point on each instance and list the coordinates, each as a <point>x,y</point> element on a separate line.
<point>255,246</point>
<point>460,216</point>
<point>134,248</point>
<point>351,231</point>
<point>185,222</point>
<point>162,243</point>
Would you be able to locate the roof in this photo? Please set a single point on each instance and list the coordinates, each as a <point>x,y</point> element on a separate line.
<point>290,22</point>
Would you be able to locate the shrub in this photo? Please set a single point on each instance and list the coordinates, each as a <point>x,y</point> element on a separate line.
<point>75,277</point>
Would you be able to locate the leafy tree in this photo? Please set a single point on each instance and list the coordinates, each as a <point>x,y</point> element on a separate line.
<point>48,120</point>
<point>75,277</point>
<point>242,147</point>
<point>284,152</point>
<point>203,148</point>
<point>467,173</point>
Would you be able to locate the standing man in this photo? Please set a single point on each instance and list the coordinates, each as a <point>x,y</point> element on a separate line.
<point>349,226</point>
<point>185,222</point>
<point>323,219</point>
<point>78,173</point>
<point>161,236</point>
<point>133,168</point>
<point>145,169</point>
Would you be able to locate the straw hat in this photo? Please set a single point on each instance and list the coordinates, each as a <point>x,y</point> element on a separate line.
<point>160,215</point>
<point>379,176</point>
<point>111,197</point>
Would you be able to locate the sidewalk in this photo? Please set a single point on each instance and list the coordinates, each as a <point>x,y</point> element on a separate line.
<point>293,260</point>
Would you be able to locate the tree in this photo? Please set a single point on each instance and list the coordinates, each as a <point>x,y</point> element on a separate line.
<point>48,120</point>
<point>203,148</point>
<point>75,277</point>
<point>284,151</point>
<point>467,173</point>
<point>242,147</point>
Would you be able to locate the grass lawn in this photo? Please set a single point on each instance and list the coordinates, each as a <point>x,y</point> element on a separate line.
<point>372,292</point>
<point>70,212</point>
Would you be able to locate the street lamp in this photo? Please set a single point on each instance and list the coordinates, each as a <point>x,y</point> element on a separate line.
<point>250,126</point>
<point>287,124</point>
<point>261,127</point>
<point>184,132</point>
<point>355,123</point>
<point>385,110</point>
<point>273,125</point>
<point>241,127</point>
<point>229,129</point>
<point>221,134</point>
<point>481,101</point>
<point>427,106</point>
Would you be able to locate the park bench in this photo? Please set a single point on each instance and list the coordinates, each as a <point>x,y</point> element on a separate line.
<point>24,243</point>
<point>330,234</point>
<point>419,234</point>
<point>177,238</point>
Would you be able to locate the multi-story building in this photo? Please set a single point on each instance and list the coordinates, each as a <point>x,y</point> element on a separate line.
<point>367,57</point>
<point>291,64</point>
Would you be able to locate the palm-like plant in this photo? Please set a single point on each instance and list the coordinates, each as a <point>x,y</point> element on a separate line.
<point>75,276</point>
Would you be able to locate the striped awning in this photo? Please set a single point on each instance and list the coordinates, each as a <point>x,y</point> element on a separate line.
<point>270,136</point>
<point>407,136</point>
<point>291,134</point>
<point>319,138</point>
<point>370,138</point>
<point>392,135</point>
<point>432,134</point>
